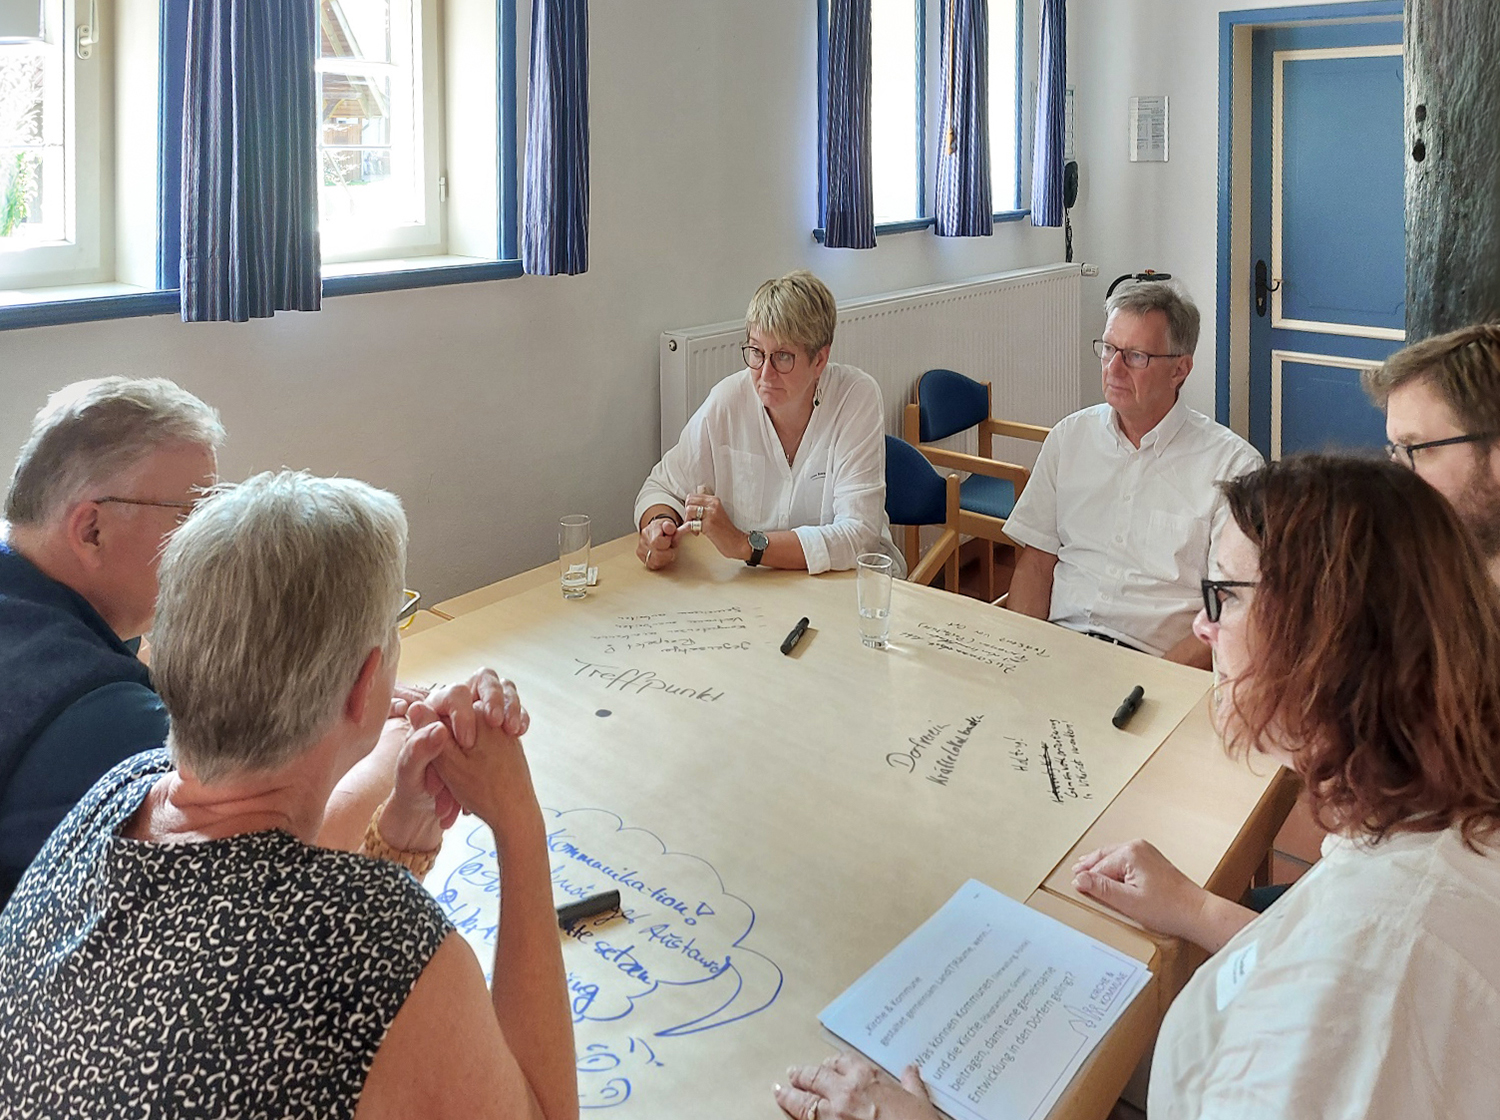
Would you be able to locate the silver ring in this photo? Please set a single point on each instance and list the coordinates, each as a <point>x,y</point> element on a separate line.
<point>812,1113</point>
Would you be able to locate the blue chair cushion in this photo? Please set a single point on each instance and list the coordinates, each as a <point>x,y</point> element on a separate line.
<point>993,497</point>
<point>915,494</point>
<point>950,403</point>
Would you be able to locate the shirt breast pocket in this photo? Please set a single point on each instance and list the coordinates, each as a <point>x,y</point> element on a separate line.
<point>744,499</point>
<point>1176,547</point>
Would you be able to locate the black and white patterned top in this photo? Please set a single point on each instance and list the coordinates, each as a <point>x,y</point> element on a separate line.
<point>252,977</point>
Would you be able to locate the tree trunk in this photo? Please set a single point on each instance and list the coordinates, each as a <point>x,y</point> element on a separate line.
<point>1452,165</point>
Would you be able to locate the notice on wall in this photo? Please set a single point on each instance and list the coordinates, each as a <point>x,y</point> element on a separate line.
<point>998,1004</point>
<point>1148,129</point>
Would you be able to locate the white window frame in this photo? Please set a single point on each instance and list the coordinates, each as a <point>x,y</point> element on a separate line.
<point>1008,200</point>
<point>115,114</point>
<point>886,144</point>
<point>1014,38</point>
<point>426,234</point>
<point>83,254</point>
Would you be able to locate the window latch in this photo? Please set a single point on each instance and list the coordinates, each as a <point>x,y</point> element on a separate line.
<point>87,34</point>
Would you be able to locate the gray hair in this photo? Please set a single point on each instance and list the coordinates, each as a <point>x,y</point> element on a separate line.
<point>90,431</point>
<point>1170,300</point>
<point>273,593</point>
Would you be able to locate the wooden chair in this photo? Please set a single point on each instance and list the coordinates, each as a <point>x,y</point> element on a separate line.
<point>945,404</point>
<point>916,495</point>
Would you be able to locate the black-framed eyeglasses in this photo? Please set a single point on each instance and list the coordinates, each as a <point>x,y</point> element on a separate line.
<point>185,507</point>
<point>1135,359</point>
<point>1213,595</point>
<point>1408,451</point>
<point>782,360</point>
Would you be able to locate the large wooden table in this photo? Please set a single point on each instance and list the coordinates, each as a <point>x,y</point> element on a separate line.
<point>760,789</point>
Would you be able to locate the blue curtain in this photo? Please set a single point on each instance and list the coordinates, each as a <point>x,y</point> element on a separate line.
<point>1047,153</point>
<point>250,160</point>
<point>555,218</point>
<point>848,202</point>
<point>963,169</point>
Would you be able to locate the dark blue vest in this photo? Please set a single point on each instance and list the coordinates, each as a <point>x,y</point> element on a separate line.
<point>54,649</point>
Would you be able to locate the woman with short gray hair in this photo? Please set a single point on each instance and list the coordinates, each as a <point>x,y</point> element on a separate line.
<point>784,463</point>
<point>182,946</point>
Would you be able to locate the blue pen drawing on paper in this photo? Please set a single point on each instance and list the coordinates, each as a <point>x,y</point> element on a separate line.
<point>672,962</point>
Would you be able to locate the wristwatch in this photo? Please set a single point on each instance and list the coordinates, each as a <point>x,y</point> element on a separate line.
<point>758,544</point>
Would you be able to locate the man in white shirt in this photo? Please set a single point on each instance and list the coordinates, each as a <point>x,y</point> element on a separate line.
<point>1441,399</point>
<point>1122,510</point>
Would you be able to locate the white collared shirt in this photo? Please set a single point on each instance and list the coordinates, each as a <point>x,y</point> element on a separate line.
<point>1371,990</point>
<point>832,496</point>
<point>1132,528</point>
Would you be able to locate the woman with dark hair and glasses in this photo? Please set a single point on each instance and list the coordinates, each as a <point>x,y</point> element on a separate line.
<point>1356,640</point>
<point>784,463</point>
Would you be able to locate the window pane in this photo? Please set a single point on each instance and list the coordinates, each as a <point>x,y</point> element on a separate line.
<point>31,154</point>
<point>369,130</point>
<point>358,184</point>
<point>893,109</point>
<point>355,29</point>
<point>1004,155</point>
<point>356,109</point>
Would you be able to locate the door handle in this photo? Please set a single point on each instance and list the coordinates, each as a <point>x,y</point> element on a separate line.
<point>1263,287</point>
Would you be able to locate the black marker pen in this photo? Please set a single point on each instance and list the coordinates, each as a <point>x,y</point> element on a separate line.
<point>794,637</point>
<point>1129,707</point>
<point>587,907</point>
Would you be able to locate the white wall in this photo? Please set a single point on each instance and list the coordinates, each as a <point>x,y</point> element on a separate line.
<point>494,408</point>
<point>1149,215</point>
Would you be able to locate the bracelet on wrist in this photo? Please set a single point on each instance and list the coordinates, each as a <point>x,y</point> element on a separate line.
<point>672,517</point>
<point>375,846</point>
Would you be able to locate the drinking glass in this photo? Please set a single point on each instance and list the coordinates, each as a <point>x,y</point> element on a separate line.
<point>874,589</point>
<point>573,554</point>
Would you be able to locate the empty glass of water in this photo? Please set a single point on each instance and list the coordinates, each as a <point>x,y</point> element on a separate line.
<point>874,599</point>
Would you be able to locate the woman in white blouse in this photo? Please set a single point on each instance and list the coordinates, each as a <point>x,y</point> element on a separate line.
<point>1356,637</point>
<point>784,464</point>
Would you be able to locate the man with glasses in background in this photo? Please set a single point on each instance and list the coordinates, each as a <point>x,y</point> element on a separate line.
<point>1123,510</point>
<point>111,468</point>
<point>1441,399</point>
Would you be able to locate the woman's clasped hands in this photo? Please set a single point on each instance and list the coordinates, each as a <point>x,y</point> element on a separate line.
<point>482,717</point>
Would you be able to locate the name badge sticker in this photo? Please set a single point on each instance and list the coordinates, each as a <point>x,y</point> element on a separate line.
<point>1233,974</point>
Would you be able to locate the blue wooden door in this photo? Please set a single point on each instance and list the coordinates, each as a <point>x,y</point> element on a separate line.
<point>1328,205</point>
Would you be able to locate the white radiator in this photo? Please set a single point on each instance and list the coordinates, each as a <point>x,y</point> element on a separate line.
<point>1017,330</point>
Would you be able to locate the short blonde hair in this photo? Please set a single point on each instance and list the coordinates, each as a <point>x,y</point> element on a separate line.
<point>90,431</point>
<point>272,596</point>
<point>797,308</point>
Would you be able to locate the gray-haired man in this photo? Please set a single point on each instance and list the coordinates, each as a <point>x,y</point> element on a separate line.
<point>1122,512</point>
<point>111,468</point>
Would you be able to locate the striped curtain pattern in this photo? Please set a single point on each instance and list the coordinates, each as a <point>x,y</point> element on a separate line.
<point>963,206</point>
<point>555,207</point>
<point>250,160</point>
<point>1047,152</point>
<point>848,216</point>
